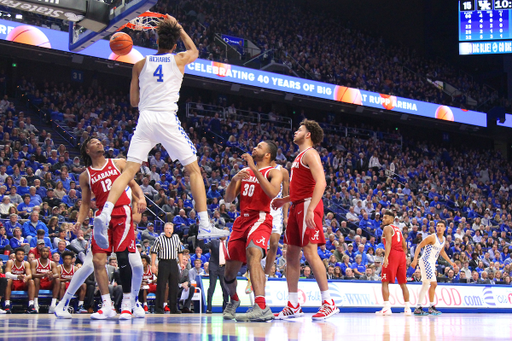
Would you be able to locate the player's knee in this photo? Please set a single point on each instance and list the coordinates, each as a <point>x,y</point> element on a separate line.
<point>99,261</point>
<point>122,258</point>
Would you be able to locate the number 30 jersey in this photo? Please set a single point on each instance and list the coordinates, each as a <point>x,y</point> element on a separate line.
<point>159,84</point>
<point>252,196</point>
<point>100,182</point>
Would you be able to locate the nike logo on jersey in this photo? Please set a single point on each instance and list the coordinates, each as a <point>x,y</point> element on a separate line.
<point>299,212</point>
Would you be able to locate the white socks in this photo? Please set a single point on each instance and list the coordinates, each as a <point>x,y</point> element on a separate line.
<point>387,305</point>
<point>293,297</point>
<point>203,219</point>
<point>54,302</point>
<point>326,296</point>
<point>106,300</point>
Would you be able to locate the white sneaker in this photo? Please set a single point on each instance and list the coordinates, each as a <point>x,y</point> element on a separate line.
<point>100,230</point>
<point>126,311</point>
<point>2,311</point>
<point>51,310</point>
<point>138,311</point>
<point>211,232</point>
<point>384,312</point>
<point>61,311</point>
<point>289,312</point>
<point>407,312</point>
<point>36,307</point>
<point>104,313</point>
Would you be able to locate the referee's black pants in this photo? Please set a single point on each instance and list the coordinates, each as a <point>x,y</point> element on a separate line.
<point>168,272</point>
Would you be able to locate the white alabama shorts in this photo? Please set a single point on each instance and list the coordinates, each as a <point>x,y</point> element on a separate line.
<point>165,128</point>
<point>277,220</point>
<point>428,271</point>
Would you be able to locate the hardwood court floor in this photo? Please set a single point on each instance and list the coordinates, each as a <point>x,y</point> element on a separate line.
<point>354,326</point>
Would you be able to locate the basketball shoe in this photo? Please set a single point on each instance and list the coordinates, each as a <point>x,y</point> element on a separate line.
<point>326,310</point>
<point>230,310</point>
<point>104,313</point>
<point>208,231</point>
<point>289,312</point>
<point>126,310</point>
<point>100,231</point>
<point>433,311</point>
<point>407,311</point>
<point>256,314</point>
<point>61,311</point>
<point>138,311</point>
<point>420,312</point>
<point>386,311</point>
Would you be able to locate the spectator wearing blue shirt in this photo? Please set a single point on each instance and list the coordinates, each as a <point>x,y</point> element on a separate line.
<point>323,252</point>
<point>40,190</point>
<point>25,208</point>
<point>358,267</point>
<point>360,252</point>
<point>213,192</point>
<point>365,223</point>
<point>65,179</point>
<point>198,255</point>
<point>35,198</point>
<point>30,227</point>
<point>11,224</point>
<point>329,244</point>
<point>41,236</point>
<point>23,188</point>
<point>71,198</point>
<point>181,221</point>
<point>5,244</point>
<point>345,264</point>
<point>61,248</point>
<point>18,241</point>
<point>350,253</point>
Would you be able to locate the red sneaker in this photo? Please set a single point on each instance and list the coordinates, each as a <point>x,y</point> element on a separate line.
<point>326,310</point>
<point>289,312</point>
<point>167,309</point>
<point>146,308</point>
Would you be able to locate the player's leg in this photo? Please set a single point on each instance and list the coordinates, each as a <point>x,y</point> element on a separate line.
<point>8,290</point>
<point>31,289</point>
<point>137,272</point>
<point>55,291</point>
<point>211,288</point>
<point>425,269</point>
<point>230,272</point>
<point>432,310</point>
<point>388,274</point>
<point>260,311</point>
<point>76,282</point>
<point>401,276</point>
<point>292,308</point>
<point>125,273</point>
<point>272,252</point>
<point>107,310</point>
<point>37,287</point>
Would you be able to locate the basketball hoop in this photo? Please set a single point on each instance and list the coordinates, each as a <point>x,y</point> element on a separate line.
<point>145,21</point>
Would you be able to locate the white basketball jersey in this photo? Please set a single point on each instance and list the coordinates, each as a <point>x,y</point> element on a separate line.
<point>279,211</point>
<point>432,251</point>
<point>159,83</point>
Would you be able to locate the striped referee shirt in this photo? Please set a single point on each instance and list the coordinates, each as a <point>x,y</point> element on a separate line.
<point>167,247</point>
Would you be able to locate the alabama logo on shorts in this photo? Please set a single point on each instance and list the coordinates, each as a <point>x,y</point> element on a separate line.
<point>261,241</point>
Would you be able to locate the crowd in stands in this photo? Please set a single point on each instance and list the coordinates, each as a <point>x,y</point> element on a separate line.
<point>354,58</point>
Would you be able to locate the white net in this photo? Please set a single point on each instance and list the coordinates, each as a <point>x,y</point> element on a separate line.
<point>146,21</point>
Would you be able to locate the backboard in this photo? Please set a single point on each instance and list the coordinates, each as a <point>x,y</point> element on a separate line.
<point>120,12</point>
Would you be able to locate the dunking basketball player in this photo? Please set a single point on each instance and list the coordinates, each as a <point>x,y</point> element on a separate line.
<point>155,87</point>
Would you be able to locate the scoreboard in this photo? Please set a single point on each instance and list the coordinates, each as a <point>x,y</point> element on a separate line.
<point>485,27</point>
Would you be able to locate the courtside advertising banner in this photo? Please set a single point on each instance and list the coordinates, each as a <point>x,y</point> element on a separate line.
<point>355,294</point>
<point>47,38</point>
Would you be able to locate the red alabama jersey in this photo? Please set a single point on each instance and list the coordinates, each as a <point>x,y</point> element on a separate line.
<point>40,269</point>
<point>302,182</point>
<point>252,196</point>
<point>18,270</point>
<point>147,275</point>
<point>100,182</point>
<point>67,274</point>
<point>396,239</point>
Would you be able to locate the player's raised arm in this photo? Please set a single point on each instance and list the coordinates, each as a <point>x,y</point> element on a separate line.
<point>272,187</point>
<point>186,57</point>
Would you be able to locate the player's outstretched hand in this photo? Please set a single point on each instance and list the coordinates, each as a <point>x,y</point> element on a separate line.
<point>414,263</point>
<point>172,19</point>
<point>141,205</point>
<point>243,174</point>
<point>250,161</point>
<point>278,203</point>
<point>77,227</point>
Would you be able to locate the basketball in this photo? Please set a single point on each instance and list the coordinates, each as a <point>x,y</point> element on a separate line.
<point>133,57</point>
<point>444,113</point>
<point>121,43</point>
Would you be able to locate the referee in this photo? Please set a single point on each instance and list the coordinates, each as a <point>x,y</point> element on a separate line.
<point>167,248</point>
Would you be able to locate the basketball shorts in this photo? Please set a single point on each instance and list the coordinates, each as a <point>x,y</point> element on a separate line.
<point>397,268</point>
<point>297,233</point>
<point>45,284</point>
<point>121,234</point>
<point>249,229</point>
<point>428,271</point>
<point>152,289</point>
<point>165,128</point>
<point>18,285</point>
<point>277,221</point>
